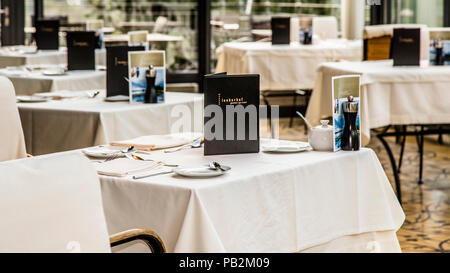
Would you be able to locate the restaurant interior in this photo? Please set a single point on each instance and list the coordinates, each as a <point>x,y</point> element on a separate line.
<point>225,126</point>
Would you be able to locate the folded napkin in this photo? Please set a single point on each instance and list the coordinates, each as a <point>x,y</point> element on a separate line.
<point>124,166</point>
<point>158,142</point>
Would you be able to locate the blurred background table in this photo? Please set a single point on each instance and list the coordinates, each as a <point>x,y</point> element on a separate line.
<point>29,55</point>
<point>79,122</point>
<point>29,82</point>
<point>389,95</point>
<point>341,209</point>
<point>152,37</point>
<point>285,67</point>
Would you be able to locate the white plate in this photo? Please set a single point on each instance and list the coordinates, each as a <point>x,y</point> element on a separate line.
<point>198,172</point>
<point>286,147</point>
<point>117,98</point>
<point>53,73</point>
<point>102,152</point>
<point>31,99</point>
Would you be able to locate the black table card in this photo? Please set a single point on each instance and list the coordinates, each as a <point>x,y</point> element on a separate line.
<point>81,50</point>
<point>47,34</point>
<point>281,30</point>
<point>406,47</point>
<point>117,69</point>
<point>231,114</point>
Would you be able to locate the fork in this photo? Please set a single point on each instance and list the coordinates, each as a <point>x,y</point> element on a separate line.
<point>120,154</point>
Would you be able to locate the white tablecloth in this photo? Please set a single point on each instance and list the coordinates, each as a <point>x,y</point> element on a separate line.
<point>284,67</point>
<point>389,95</point>
<point>77,123</point>
<point>28,83</point>
<point>267,203</point>
<point>9,57</point>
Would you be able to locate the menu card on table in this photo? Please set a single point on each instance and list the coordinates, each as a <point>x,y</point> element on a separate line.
<point>147,76</point>
<point>81,50</point>
<point>346,113</point>
<point>281,30</point>
<point>406,46</point>
<point>231,114</point>
<point>47,34</point>
<point>117,69</point>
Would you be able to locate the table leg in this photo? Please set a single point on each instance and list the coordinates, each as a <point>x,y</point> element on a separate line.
<point>394,167</point>
<point>402,151</point>
<point>421,137</point>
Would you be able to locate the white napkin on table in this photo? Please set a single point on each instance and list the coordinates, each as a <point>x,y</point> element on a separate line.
<point>158,142</point>
<point>123,166</point>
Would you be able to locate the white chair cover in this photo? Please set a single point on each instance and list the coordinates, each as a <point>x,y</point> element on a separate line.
<point>325,27</point>
<point>12,143</point>
<point>51,204</point>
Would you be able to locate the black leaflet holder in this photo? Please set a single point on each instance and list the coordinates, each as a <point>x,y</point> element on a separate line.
<point>81,50</point>
<point>281,30</point>
<point>47,34</point>
<point>235,129</point>
<point>117,69</point>
<point>406,47</point>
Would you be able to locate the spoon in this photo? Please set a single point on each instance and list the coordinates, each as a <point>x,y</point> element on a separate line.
<point>307,122</point>
<point>216,166</point>
<point>196,144</point>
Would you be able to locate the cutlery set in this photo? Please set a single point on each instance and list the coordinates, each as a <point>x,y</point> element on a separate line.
<point>210,170</point>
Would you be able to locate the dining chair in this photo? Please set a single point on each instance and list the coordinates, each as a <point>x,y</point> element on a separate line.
<point>53,204</point>
<point>11,134</point>
<point>325,27</point>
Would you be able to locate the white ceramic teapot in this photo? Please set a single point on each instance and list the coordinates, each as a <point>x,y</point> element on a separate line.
<point>321,137</point>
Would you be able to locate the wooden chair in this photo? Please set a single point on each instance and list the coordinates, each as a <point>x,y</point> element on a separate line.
<point>53,204</point>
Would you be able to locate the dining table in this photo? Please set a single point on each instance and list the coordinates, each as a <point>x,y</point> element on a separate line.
<point>285,67</point>
<point>69,120</point>
<point>267,202</point>
<point>30,55</point>
<point>390,95</point>
<point>414,100</point>
<point>31,79</point>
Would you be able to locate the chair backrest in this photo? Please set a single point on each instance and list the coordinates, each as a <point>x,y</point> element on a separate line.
<point>12,143</point>
<point>51,204</point>
<point>325,27</point>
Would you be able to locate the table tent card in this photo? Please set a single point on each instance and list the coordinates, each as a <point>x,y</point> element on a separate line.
<point>97,26</point>
<point>346,113</point>
<point>231,114</point>
<point>138,38</point>
<point>147,76</point>
<point>281,30</point>
<point>117,69</point>
<point>47,34</point>
<point>406,47</point>
<point>81,50</point>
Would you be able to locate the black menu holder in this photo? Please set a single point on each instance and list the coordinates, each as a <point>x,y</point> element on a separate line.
<point>81,50</point>
<point>406,47</point>
<point>281,30</point>
<point>225,135</point>
<point>117,69</point>
<point>47,34</point>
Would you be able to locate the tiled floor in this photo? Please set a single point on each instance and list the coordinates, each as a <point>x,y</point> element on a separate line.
<point>427,207</point>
